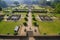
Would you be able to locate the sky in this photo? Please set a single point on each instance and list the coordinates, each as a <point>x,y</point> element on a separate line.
<point>22,0</point>
<point>18,0</point>
<point>48,0</point>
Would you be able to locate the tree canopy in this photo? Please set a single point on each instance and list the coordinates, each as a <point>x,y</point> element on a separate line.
<point>57,8</point>
<point>16,3</point>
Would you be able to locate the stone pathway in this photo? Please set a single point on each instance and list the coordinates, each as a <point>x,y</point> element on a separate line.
<point>30,24</point>
<point>29,20</point>
<point>29,28</point>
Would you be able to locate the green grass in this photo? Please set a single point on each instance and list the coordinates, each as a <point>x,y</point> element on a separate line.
<point>49,27</point>
<point>38,7</point>
<point>57,15</point>
<point>8,26</point>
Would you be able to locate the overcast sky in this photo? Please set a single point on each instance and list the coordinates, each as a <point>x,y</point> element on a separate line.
<point>20,0</point>
<point>48,0</point>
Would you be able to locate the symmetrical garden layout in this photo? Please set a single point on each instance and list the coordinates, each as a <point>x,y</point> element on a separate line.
<point>29,20</point>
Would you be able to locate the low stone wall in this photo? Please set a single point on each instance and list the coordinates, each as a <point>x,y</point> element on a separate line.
<point>36,37</point>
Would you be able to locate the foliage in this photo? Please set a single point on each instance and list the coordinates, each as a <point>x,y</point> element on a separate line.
<point>25,24</point>
<point>33,16</point>
<point>57,8</point>
<point>26,19</point>
<point>15,33</point>
<point>34,19</point>
<point>16,3</point>
<point>35,24</point>
<point>27,15</point>
<point>0,9</point>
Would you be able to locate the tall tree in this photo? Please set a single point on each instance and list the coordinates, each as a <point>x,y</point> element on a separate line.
<point>57,8</point>
<point>0,6</point>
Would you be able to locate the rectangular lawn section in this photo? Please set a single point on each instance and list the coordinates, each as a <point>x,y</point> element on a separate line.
<point>50,28</point>
<point>38,7</point>
<point>8,26</point>
<point>57,15</point>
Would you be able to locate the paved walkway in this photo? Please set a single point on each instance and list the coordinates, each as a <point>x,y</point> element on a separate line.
<point>29,20</point>
<point>29,28</point>
<point>30,24</point>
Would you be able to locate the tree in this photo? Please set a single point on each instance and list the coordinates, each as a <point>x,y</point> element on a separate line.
<point>26,19</point>
<point>25,24</point>
<point>44,33</point>
<point>48,3</point>
<point>57,8</point>
<point>35,24</point>
<point>0,8</point>
<point>15,33</point>
<point>33,15</point>
<point>34,19</point>
<point>27,15</point>
<point>16,3</point>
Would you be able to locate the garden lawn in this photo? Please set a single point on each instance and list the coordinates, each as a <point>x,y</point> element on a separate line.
<point>38,7</point>
<point>57,15</point>
<point>49,27</point>
<point>8,27</point>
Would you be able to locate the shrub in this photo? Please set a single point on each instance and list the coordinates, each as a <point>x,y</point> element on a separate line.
<point>34,19</point>
<point>27,15</point>
<point>26,19</point>
<point>7,15</point>
<point>35,24</point>
<point>25,24</point>
<point>33,16</point>
<point>59,33</point>
<point>0,9</point>
<point>8,33</point>
<point>44,33</point>
<point>15,33</point>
